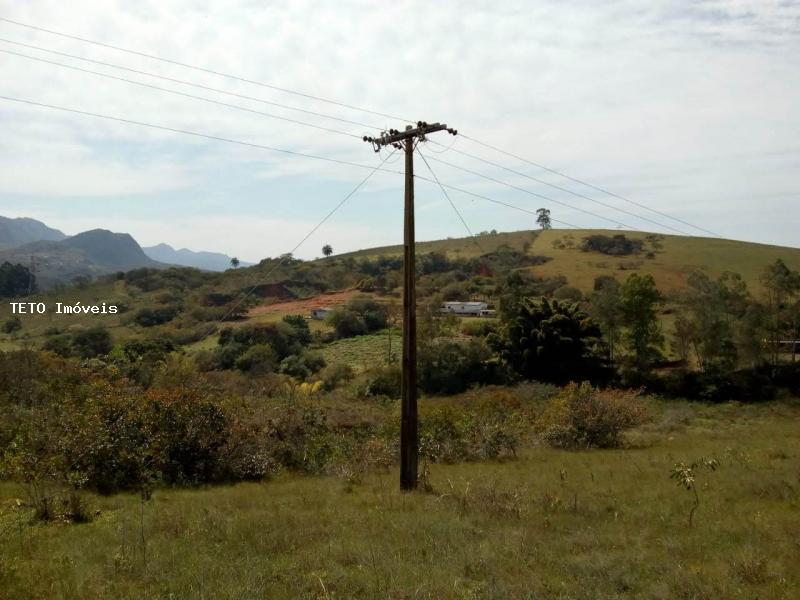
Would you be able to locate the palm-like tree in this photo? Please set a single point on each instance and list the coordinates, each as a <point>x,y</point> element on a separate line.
<point>234,262</point>
<point>327,250</point>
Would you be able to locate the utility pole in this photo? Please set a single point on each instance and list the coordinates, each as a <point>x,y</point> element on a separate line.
<point>409,439</point>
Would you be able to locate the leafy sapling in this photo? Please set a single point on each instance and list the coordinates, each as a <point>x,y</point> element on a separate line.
<point>685,476</point>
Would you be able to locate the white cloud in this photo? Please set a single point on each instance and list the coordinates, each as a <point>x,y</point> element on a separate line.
<point>619,93</point>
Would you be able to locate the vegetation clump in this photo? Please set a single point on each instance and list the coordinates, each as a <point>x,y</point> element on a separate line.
<point>583,416</point>
<point>616,245</point>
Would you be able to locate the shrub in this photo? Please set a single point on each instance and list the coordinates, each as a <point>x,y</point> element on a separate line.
<point>617,245</point>
<point>335,375</point>
<point>361,315</point>
<point>582,416</point>
<point>383,381</point>
<point>448,366</point>
<point>478,327</point>
<point>302,365</point>
<point>569,293</point>
<point>258,359</point>
<point>149,317</point>
<point>92,342</point>
<point>11,325</point>
<point>300,326</point>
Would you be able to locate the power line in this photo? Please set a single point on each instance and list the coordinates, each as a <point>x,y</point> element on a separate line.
<point>563,189</point>
<point>191,84</point>
<point>274,149</point>
<point>493,201</point>
<point>515,187</point>
<point>285,257</point>
<point>594,187</point>
<point>446,195</point>
<point>202,69</point>
<point>184,94</point>
<point>195,134</point>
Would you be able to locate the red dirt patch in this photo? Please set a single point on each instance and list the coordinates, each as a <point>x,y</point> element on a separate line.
<point>305,305</point>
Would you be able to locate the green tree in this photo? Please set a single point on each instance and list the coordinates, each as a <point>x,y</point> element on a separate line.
<point>606,308</point>
<point>361,315</point>
<point>549,340</point>
<point>235,262</point>
<point>783,291</point>
<point>639,304</point>
<point>327,250</point>
<point>16,280</point>
<point>543,218</point>
<point>707,325</point>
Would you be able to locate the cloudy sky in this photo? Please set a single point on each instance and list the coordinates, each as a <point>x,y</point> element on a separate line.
<point>689,108</point>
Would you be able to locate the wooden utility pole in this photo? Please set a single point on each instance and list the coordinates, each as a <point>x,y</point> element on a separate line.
<point>409,439</point>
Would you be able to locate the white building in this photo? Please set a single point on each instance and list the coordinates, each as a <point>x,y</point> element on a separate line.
<point>320,313</point>
<point>473,309</point>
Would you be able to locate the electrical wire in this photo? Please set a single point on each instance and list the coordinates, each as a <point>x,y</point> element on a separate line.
<point>196,134</point>
<point>563,189</point>
<point>446,195</point>
<point>515,187</point>
<point>201,69</point>
<point>493,201</point>
<point>594,187</point>
<point>274,149</point>
<point>286,256</point>
<point>191,84</point>
<point>184,94</point>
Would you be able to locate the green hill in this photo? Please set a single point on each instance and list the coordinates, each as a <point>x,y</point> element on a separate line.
<point>673,257</point>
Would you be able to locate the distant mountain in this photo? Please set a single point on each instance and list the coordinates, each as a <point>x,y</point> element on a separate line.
<point>118,251</point>
<point>91,253</point>
<point>208,261</point>
<point>16,232</point>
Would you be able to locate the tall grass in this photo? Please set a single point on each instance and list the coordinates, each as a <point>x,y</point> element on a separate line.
<point>551,524</point>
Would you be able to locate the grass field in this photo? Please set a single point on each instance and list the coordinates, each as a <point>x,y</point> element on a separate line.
<point>551,524</point>
<point>363,351</point>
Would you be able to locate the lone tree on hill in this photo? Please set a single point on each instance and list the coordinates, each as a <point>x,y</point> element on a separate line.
<point>234,262</point>
<point>327,250</point>
<point>543,218</point>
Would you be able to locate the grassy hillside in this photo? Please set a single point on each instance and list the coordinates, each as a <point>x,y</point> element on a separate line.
<point>676,258</point>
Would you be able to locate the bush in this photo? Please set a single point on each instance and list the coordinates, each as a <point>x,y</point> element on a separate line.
<point>92,342</point>
<point>449,367</point>
<point>302,366</point>
<point>716,386</point>
<point>11,325</point>
<point>478,327</point>
<point>361,315</point>
<point>59,344</point>
<point>617,245</point>
<point>335,375</point>
<point>582,416</point>
<point>149,317</point>
<point>258,359</point>
<point>383,381</point>
<point>568,292</point>
<point>300,326</point>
